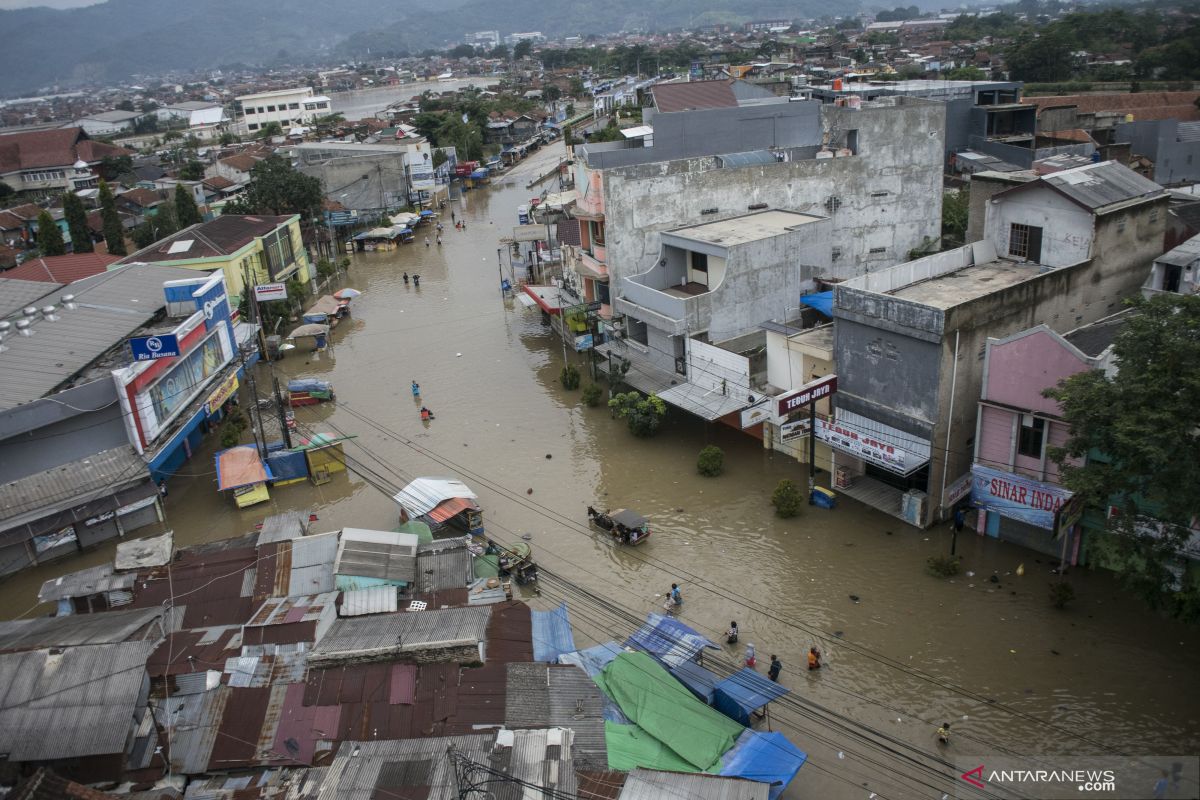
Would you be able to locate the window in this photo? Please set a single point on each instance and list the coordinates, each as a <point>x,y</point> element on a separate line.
<point>322,104</point>
<point>270,108</point>
<point>1029,442</point>
<point>1154,212</point>
<point>253,126</point>
<point>293,106</point>
<point>877,250</point>
<point>700,262</point>
<point>1025,241</point>
<point>261,110</point>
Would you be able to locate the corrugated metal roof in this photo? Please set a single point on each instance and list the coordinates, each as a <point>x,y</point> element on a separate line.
<point>377,554</point>
<point>539,757</point>
<point>112,305</point>
<point>356,770</point>
<point>443,564</point>
<point>1188,132</point>
<point>79,702</point>
<point>313,560</point>
<point>544,695</point>
<point>77,629</point>
<point>1096,186</point>
<point>195,720</point>
<point>74,483</point>
<point>92,580</point>
<point>281,527</point>
<point>423,494</point>
<point>375,600</point>
<point>399,633</point>
<point>15,294</point>
<point>151,551</point>
<point>647,784</point>
<point>1183,255</point>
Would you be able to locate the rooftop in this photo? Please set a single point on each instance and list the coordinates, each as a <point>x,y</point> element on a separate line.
<point>71,484</point>
<point>111,306</point>
<point>1094,339</point>
<point>746,228</point>
<point>953,288</point>
<point>1098,186</point>
<point>60,269</point>
<point>60,147</point>
<point>692,95</point>
<point>17,292</point>
<point>216,238</point>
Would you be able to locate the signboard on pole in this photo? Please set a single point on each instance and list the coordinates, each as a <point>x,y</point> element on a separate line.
<point>149,348</point>
<point>223,392</point>
<point>270,291</point>
<point>583,342</point>
<point>759,412</point>
<point>806,395</point>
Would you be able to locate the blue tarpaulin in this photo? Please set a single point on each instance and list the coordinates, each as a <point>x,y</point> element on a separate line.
<point>743,693</point>
<point>669,640</point>
<point>764,757</point>
<point>552,634</point>
<point>700,681</point>
<point>287,465</point>
<point>821,301</point>
<point>479,173</point>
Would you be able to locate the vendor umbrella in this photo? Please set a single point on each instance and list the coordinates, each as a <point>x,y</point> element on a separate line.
<point>311,329</point>
<point>346,294</point>
<point>426,213</point>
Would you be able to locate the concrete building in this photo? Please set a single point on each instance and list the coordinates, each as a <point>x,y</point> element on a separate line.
<point>797,355</point>
<point>1177,270</point>
<point>109,123</point>
<point>52,161</point>
<point>204,120</point>
<point>262,248</point>
<point>488,39</point>
<point>1173,146</point>
<point>288,107</point>
<point>1061,251</point>
<point>368,178</point>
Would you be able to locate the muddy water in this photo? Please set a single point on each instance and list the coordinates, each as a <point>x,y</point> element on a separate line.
<point>1009,671</point>
<point>363,103</point>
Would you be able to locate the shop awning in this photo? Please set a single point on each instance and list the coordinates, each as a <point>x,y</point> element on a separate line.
<point>424,494</point>
<point>548,298</point>
<point>326,304</point>
<point>526,300</point>
<point>669,640</point>
<point>240,466</point>
<point>743,693</point>
<point>765,757</point>
<point>702,401</point>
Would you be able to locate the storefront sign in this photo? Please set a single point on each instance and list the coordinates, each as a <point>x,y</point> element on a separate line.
<point>1017,497</point>
<point>793,430</point>
<point>868,447</point>
<point>270,291</point>
<point>223,392</point>
<point>137,505</point>
<point>759,412</point>
<point>807,394</point>
<point>96,520</point>
<point>957,490</point>
<point>149,348</point>
<point>1068,515</point>
<point>49,541</point>
<point>583,342</point>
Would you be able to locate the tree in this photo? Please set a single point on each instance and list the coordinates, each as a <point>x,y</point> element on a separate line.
<point>193,170</point>
<point>609,133</point>
<point>159,226</point>
<point>1136,436</point>
<point>955,208</point>
<point>965,74</point>
<point>270,130</point>
<point>228,138</point>
<point>711,461</point>
<point>1044,58</point>
<point>439,157</point>
<point>186,212</point>
<point>522,49</point>
<point>787,499</point>
<point>113,166</point>
<point>276,188</point>
<point>499,51</point>
<point>644,415</point>
<point>125,105</point>
<point>6,191</point>
<point>76,216</point>
<point>49,235</point>
<point>461,51</point>
<point>114,234</point>
<point>551,93</point>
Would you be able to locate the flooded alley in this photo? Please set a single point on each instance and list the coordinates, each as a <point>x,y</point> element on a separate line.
<point>903,651</point>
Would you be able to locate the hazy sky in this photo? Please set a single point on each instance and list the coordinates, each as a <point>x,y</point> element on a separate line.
<point>8,4</point>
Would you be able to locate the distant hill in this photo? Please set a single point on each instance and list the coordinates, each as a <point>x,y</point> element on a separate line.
<point>119,38</point>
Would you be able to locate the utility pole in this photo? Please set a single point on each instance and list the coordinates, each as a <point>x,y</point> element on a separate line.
<point>283,428</point>
<point>500,269</point>
<point>812,446</point>
<point>260,436</point>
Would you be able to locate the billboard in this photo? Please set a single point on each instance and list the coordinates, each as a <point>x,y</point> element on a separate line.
<point>176,387</point>
<point>148,348</point>
<point>420,169</point>
<point>1016,496</point>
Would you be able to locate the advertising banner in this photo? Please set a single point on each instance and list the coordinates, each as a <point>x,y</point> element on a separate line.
<point>270,291</point>
<point>227,389</point>
<point>806,394</point>
<point>869,447</point>
<point>149,348</point>
<point>1017,497</point>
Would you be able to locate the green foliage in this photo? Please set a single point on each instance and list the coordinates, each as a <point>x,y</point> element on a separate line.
<point>898,14</point>
<point>592,394</point>
<point>268,131</point>
<point>186,211</point>
<point>6,191</point>
<point>551,93</point>
<point>499,51</point>
<point>228,138</point>
<point>1061,594</point>
<point>112,166</point>
<point>439,157</point>
<point>644,415</point>
<point>955,208</point>
<point>711,461</point>
<point>787,499</point>
<point>569,377</point>
<point>965,74</point>
<point>609,133</point>
<point>49,235</point>
<point>193,170</point>
<point>76,216</point>
<point>461,51</point>
<point>943,566</point>
<point>522,49</point>
<point>114,234</point>
<point>163,223</point>
<point>1136,436</point>
<point>232,427</point>
<point>276,188</point>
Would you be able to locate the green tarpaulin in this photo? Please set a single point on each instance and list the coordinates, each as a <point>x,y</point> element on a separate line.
<point>661,707</point>
<point>487,566</point>
<point>630,747</point>
<point>420,529</point>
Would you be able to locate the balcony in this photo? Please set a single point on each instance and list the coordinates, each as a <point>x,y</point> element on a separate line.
<point>659,309</point>
<point>592,267</point>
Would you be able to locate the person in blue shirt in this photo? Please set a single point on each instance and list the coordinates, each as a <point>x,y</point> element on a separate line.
<point>775,668</point>
<point>676,597</point>
<point>416,389</point>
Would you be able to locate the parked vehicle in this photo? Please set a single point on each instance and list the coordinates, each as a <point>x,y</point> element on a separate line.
<point>625,526</point>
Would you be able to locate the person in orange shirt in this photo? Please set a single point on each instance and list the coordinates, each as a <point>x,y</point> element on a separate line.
<point>814,658</point>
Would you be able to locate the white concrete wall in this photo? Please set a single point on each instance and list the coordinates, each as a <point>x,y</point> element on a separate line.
<point>1067,229</point>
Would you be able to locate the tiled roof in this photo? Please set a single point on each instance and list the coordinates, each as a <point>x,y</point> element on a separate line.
<point>1143,105</point>
<point>63,269</point>
<point>217,182</point>
<point>222,236</point>
<point>142,197</point>
<point>61,147</point>
<point>242,162</point>
<point>694,95</point>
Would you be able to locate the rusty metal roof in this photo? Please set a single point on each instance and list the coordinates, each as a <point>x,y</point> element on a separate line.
<point>285,526</point>
<point>549,696</point>
<point>78,629</point>
<point>393,634</point>
<point>370,770</point>
<point>510,633</point>
<point>443,564</point>
<point>195,719</point>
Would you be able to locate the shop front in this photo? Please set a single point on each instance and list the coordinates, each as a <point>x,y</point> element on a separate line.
<point>880,465</point>
<point>1026,512</point>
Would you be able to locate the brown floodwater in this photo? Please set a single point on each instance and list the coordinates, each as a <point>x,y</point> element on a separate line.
<point>1012,673</point>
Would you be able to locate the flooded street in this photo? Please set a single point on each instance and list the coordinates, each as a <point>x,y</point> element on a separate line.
<point>911,651</point>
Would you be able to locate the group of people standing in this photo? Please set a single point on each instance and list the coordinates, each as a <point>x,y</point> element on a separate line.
<point>426,414</point>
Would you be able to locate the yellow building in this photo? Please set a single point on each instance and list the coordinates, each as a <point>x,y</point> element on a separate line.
<point>258,248</point>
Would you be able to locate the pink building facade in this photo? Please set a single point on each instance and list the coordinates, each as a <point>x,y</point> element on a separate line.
<point>1014,482</point>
